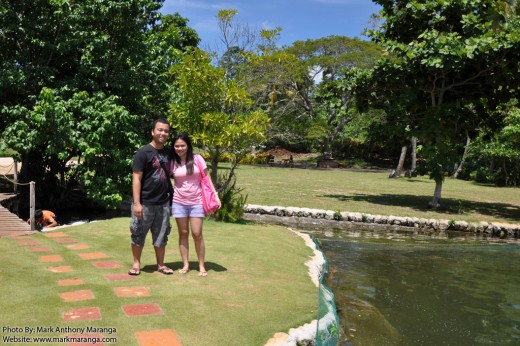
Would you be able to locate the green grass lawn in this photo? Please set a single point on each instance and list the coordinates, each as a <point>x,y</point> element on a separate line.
<point>375,193</point>
<point>257,284</point>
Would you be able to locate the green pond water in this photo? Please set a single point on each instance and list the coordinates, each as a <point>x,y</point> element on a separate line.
<point>417,290</point>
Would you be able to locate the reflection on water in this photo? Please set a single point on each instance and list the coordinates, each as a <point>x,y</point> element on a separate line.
<point>421,291</point>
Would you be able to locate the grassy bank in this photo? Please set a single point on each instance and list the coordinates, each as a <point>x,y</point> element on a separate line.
<point>375,193</point>
<point>257,284</point>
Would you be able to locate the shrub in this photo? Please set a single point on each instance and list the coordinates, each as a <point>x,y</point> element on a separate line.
<point>233,203</point>
<point>255,159</point>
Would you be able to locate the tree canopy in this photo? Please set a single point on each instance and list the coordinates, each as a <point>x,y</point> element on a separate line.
<point>80,80</point>
<point>445,59</point>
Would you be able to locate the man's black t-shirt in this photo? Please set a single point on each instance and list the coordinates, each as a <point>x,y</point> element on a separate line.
<point>154,186</point>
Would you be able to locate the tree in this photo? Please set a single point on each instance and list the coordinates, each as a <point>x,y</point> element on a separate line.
<point>442,56</point>
<point>80,80</point>
<point>495,155</point>
<point>313,82</point>
<point>84,127</point>
<point>215,111</point>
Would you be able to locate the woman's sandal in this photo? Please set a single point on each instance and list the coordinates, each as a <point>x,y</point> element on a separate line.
<point>134,271</point>
<point>165,270</point>
<point>203,274</point>
<point>183,271</point>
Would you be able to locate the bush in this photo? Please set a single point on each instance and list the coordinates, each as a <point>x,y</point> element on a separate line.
<point>233,203</point>
<point>255,159</point>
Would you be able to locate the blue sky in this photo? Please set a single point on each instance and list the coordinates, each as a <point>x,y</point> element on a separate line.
<point>299,19</point>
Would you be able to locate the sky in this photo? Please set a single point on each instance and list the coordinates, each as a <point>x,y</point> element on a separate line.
<point>299,19</point>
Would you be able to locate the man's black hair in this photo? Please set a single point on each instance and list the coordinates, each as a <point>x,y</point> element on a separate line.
<point>38,214</point>
<point>160,120</point>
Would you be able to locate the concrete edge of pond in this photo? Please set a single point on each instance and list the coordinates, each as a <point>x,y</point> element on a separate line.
<point>318,218</point>
<point>305,334</point>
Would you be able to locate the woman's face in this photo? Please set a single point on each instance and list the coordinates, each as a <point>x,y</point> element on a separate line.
<point>181,148</point>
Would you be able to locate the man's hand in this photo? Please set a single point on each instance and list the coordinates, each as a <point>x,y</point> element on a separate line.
<point>138,210</point>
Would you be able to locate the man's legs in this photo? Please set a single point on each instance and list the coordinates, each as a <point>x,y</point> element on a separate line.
<point>160,231</point>
<point>136,252</point>
<point>139,229</point>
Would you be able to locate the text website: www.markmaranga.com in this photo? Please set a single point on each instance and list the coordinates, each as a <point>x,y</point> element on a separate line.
<point>26,335</point>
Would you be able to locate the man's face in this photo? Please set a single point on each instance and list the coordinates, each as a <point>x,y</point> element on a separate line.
<point>160,133</point>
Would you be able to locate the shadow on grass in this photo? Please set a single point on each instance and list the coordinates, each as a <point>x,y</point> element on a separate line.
<point>210,266</point>
<point>448,206</point>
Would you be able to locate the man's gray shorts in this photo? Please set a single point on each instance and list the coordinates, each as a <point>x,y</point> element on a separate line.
<point>155,218</point>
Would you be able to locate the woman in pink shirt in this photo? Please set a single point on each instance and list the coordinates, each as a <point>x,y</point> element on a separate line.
<point>187,200</point>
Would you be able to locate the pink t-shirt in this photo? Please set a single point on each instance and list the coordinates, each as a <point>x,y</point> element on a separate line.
<point>187,187</point>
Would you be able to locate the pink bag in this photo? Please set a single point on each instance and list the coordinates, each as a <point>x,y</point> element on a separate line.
<point>209,196</point>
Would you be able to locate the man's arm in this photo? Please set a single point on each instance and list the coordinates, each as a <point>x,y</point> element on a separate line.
<point>52,223</point>
<point>136,193</point>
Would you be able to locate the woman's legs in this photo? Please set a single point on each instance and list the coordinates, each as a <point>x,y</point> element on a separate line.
<point>196,233</point>
<point>182,227</point>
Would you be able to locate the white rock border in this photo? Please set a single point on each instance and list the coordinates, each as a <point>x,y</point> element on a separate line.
<point>491,228</point>
<point>306,334</point>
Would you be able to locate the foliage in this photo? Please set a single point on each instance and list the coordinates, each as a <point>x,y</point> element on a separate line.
<point>233,202</point>
<point>216,111</point>
<point>442,55</point>
<point>83,79</point>
<point>80,126</point>
<point>495,157</point>
<point>308,87</point>
<point>255,159</point>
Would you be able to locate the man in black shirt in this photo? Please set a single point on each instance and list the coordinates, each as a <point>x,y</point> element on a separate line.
<point>151,195</point>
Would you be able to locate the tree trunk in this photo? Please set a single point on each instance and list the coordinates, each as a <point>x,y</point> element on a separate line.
<point>437,194</point>
<point>459,168</point>
<point>326,146</point>
<point>399,169</point>
<point>214,167</point>
<point>414,155</point>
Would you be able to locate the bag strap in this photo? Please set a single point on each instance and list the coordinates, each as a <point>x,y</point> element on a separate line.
<point>170,186</point>
<point>196,158</point>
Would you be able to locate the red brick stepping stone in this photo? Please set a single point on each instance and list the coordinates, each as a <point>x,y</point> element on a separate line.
<point>77,246</point>
<point>83,336</point>
<point>51,258</point>
<point>39,248</point>
<point>120,277</point>
<point>142,310</point>
<point>60,269</point>
<point>70,282</point>
<point>55,235</point>
<point>65,240</point>
<point>27,242</point>
<point>158,338</point>
<point>132,291</point>
<point>76,296</point>
<point>107,264</point>
<point>92,255</point>
<point>81,314</point>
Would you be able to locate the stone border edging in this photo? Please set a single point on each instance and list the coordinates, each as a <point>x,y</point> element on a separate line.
<point>489,228</point>
<point>305,334</point>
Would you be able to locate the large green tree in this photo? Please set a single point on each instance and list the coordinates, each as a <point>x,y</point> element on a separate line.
<point>308,87</point>
<point>80,80</point>
<point>215,111</point>
<point>444,59</point>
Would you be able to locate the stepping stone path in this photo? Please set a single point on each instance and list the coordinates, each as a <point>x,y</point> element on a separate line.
<point>79,292</point>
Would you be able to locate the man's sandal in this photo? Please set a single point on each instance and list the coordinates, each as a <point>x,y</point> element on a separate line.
<point>134,271</point>
<point>165,270</point>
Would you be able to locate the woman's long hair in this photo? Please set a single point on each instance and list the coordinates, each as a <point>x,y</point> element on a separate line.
<point>189,154</point>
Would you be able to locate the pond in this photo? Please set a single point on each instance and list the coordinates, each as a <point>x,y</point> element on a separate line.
<point>392,289</point>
